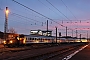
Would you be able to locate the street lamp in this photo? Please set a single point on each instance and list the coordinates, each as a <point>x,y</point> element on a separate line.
<point>6,13</point>
<point>6,23</point>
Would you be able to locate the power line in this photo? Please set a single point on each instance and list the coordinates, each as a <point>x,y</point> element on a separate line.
<point>48,7</point>
<point>69,9</point>
<point>25,17</point>
<point>12,13</point>
<point>45,17</point>
<point>58,10</point>
<point>36,12</point>
<point>28,18</point>
<point>18,15</point>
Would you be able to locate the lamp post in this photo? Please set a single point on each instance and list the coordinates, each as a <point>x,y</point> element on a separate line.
<point>6,23</point>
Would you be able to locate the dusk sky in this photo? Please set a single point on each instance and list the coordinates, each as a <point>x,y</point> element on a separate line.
<point>75,14</point>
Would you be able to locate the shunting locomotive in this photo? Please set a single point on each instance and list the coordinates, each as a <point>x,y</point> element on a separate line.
<point>15,41</point>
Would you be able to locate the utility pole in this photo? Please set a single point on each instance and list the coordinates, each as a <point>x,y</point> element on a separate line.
<point>6,23</point>
<point>47,27</point>
<point>76,33</point>
<point>87,35</point>
<point>66,31</point>
<point>56,34</point>
<point>80,38</point>
<point>59,34</point>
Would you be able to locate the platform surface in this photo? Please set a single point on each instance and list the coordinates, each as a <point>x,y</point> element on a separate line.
<point>82,55</point>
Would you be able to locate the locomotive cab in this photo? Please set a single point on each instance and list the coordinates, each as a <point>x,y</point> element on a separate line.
<point>15,42</point>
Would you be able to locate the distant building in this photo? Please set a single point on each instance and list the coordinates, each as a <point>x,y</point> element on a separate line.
<point>8,35</point>
<point>45,33</point>
<point>41,32</point>
<point>1,35</point>
<point>12,35</point>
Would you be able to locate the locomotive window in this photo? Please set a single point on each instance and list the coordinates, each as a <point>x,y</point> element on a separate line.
<point>30,38</point>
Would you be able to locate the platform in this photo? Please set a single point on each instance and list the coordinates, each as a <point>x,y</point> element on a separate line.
<point>82,55</point>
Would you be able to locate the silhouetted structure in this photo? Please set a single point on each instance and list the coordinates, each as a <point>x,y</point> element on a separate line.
<point>1,35</point>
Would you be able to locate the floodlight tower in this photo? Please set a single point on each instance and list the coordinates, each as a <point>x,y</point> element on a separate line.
<point>6,23</point>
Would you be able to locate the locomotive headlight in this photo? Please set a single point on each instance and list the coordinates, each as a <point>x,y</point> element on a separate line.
<point>4,42</point>
<point>11,41</point>
<point>24,41</point>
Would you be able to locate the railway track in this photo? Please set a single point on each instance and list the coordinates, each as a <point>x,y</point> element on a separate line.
<point>52,55</point>
<point>17,49</point>
<point>44,56</point>
<point>6,50</point>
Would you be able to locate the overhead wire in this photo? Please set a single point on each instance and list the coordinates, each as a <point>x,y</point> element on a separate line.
<point>48,8</point>
<point>25,17</point>
<point>29,19</point>
<point>42,14</point>
<point>61,12</point>
<point>37,12</point>
<point>21,16</point>
<point>57,9</point>
<point>18,15</point>
<point>69,10</point>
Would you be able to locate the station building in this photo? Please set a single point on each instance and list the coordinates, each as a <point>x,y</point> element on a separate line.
<point>41,32</point>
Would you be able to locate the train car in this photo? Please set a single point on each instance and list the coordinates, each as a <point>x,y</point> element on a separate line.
<point>38,39</point>
<point>35,39</point>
